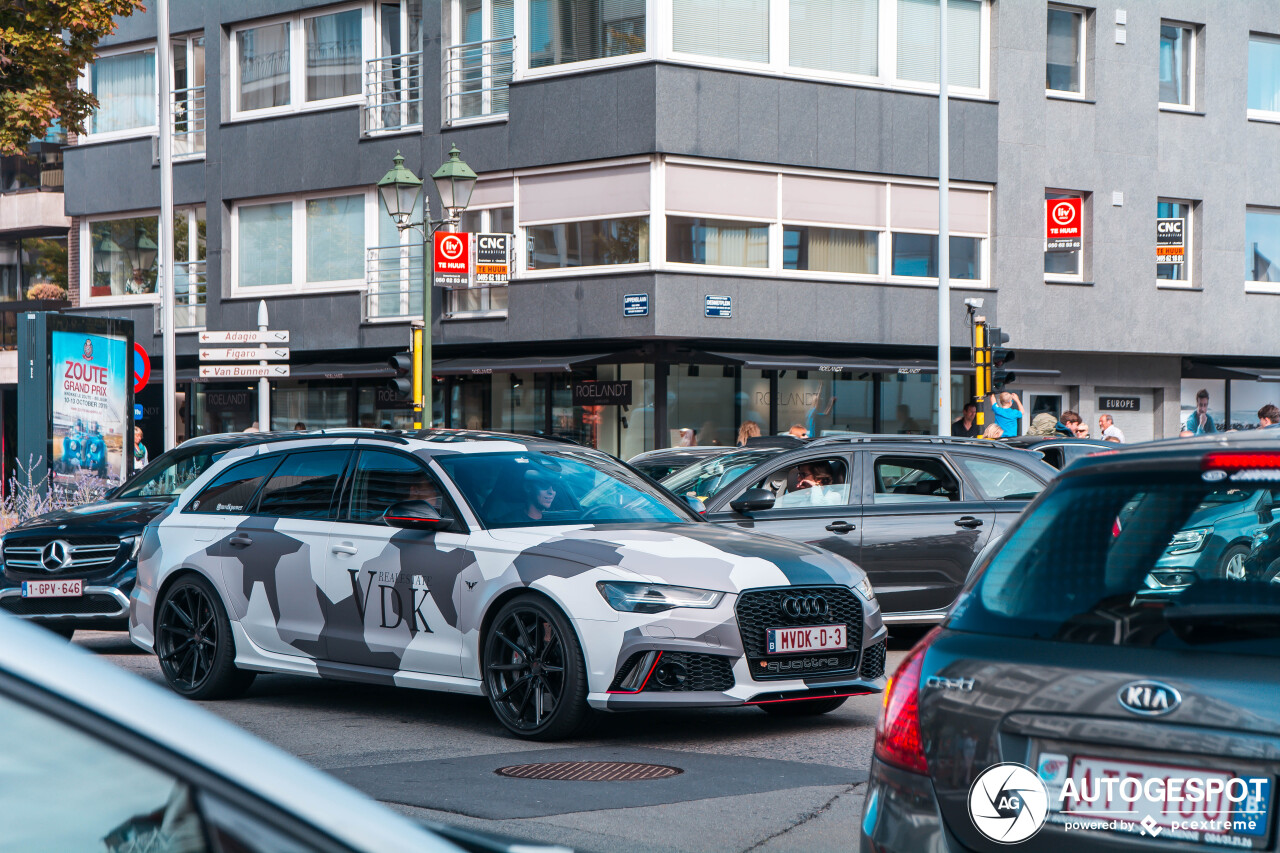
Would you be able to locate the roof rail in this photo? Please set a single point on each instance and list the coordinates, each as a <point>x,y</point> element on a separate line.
<point>906,439</point>
<point>375,435</point>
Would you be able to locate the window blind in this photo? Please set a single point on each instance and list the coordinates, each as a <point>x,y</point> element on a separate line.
<point>723,192</point>
<point>731,29</point>
<point>835,35</point>
<point>571,196</point>
<point>918,42</point>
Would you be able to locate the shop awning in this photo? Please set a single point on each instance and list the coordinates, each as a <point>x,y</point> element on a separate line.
<point>756,361</point>
<point>329,370</point>
<point>1196,369</point>
<point>514,364</point>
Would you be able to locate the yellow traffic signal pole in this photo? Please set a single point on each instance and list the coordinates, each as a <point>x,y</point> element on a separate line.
<point>417,377</point>
<point>982,366</point>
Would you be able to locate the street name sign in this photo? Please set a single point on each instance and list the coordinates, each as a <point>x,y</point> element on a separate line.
<point>635,305</point>
<point>718,306</point>
<point>243,371</point>
<point>245,337</point>
<point>245,354</point>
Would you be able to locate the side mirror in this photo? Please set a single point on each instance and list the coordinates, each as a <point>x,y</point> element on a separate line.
<point>1266,514</point>
<point>415,515</point>
<point>753,500</point>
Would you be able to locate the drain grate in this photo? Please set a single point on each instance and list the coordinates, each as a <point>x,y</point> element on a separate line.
<point>589,771</point>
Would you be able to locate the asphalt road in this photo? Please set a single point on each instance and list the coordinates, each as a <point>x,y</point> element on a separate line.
<point>750,782</point>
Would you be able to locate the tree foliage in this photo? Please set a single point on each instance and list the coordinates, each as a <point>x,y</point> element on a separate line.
<point>44,45</point>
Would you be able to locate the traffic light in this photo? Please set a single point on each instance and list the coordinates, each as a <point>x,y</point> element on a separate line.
<point>403,363</point>
<point>1000,358</point>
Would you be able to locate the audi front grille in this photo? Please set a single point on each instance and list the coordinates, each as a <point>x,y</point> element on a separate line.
<point>761,609</point>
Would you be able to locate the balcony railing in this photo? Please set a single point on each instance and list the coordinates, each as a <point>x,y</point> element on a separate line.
<point>188,121</point>
<point>189,298</point>
<point>476,77</point>
<point>392,93</point>
<point>393,275</point>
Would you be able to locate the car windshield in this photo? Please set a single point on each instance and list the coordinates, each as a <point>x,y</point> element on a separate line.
<point>169,475</point>
<point>1128,561</point>
<point>553,487</point>
<point>709,476</point>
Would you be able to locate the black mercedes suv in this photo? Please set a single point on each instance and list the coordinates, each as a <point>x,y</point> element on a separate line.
<point>75,568</point>
<point>1068,704</point>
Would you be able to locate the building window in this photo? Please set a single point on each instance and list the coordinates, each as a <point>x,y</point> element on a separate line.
<point>1169,209</point>
<point>125,86</point>
<point>1262,245</point>
<point>485,298</point>
<point>599,242</point>
<point>303,243</point>
<point>121,256</point>
<point>835,35</point>
<point>730,29</point>
<point>563,31</point>
<point>299,62</point>
<point>188,112</point>
<point>1065,265</point>
<point>1177,64</point>
<point>839,250</point>
<point>1264,76</point>
<point>1064,63</point>
<point>717,242</point>
<point>918,42</point>
<point>916,255</point>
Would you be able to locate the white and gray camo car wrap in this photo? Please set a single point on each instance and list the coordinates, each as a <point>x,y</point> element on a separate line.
<point>411,610</point>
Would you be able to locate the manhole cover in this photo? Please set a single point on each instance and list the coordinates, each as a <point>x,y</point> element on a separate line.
<point>589,771</point>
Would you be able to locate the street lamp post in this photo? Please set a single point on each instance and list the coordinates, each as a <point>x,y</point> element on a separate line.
<point>399,189</point>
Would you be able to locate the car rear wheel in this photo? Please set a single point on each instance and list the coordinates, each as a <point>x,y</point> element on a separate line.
<point>803,708</point>
<point>193,642</point>
<point>534,672</point>
<point>1231,566</point>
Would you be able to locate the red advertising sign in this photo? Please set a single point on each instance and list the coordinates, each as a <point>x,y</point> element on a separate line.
<point>1062,218</point>
<point>452,259</point>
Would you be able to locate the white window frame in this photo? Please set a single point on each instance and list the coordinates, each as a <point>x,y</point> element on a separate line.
<point>932,281</point>
<point>554,272</point>
<point>1065,278</point>
<point>298,223</point>
<point>86,254</point>
<point>86,84</point>
<point>1083,57</point>
<point>882,236</point>
<point>773,242</point>
<point>1192,56</point>
<point>298,62</point>
<point>886,58</point>
<point>1261,115</point>
<point>187,39</point>
<point>523,71</point>
<point>1188,257</point>
<point>1251,286</point>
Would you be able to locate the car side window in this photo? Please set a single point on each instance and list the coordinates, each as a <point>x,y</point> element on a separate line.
<point>304,484</point>
<point>1055,455</point>
<point>75,792</point>
<point>812,483</point>
<point>1000,481</point>
<point>913,479</point>
<point>382,479</point>
<point>232,491</point>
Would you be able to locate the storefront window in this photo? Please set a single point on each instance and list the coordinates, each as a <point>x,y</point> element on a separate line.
<point>700,405</point>
<point>224,409</point>
<point>909,402</point>
<point>519,402</point>
<point>754,399</point>
<point>308,406</point>
<point>846,404</point>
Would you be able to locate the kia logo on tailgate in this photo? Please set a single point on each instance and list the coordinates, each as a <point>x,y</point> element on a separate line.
<point>1149,698</point>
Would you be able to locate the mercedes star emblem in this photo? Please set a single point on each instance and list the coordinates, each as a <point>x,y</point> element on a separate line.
<point>56,555</point>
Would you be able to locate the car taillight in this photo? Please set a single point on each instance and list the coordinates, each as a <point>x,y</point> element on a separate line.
<point>898,740</point>
<point>1239,460</point>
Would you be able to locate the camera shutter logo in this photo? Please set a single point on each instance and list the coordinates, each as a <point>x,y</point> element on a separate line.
<point>1008,803</point>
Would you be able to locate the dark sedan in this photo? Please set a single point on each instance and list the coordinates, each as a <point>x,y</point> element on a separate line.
<point>663,463</point>
<point>1065,705</point>
<point>1060,450</point>
<point>913,512</point>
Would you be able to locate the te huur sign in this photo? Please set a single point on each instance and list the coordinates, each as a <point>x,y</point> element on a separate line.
<point>602,393</point>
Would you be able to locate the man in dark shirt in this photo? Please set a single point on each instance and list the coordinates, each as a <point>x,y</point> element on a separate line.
<point>966,426</point>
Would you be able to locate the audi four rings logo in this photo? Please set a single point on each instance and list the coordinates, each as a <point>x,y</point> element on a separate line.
<point>55,555</point>
<point>804,605</point>
<point>451,247</point>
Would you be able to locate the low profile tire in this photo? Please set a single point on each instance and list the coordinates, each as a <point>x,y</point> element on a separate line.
<point>194,644</point>
<point>1231,565</point>
<point>1272,574</point>
<point>534,673</point>
<point>803,708</point>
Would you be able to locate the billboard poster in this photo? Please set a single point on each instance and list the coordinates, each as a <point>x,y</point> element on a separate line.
<point>91,418</point>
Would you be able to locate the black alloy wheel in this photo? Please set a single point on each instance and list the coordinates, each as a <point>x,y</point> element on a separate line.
<point>194,644</point>
<point>803,707</point>
<point>534,672</point>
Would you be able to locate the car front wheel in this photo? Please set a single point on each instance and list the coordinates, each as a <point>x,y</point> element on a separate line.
<point>534,671</point>
<point>193,642</point>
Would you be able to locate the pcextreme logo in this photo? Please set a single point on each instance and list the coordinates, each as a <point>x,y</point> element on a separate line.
<point>1008,803</point>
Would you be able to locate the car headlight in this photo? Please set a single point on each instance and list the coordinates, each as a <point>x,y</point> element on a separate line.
<point>655,597</point>
<point>1186,541</point>
<point>132,545</point>
<point>863,588</point>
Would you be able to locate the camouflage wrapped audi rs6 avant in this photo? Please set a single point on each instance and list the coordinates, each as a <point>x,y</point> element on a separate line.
<point>550,578</point>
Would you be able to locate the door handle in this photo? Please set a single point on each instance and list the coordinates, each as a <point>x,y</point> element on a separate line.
<point>968,521</point>
<point>344,548</point>
<point>841,527</point>
<point>240,540</point>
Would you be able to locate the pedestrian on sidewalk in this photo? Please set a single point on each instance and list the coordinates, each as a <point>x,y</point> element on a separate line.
<point>1075,424</point>
<point>1268,416</point>
<point>1007,409</point>
<point>1200,423</point>
<point>748,430</point>
<point>966,426</point>
<point>1110,432</point>
<point>993,432</point>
